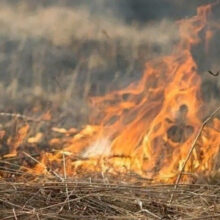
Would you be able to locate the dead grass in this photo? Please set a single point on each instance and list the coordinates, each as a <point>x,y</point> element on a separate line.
<point>106,199</point>
<point>53,59</point>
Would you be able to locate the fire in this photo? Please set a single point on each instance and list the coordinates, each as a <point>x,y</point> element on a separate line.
<point>15,141</point>
<point>148,127</point>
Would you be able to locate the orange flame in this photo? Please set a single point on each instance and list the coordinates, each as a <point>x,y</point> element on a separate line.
<point>148,127</point>
<point>14,142</point>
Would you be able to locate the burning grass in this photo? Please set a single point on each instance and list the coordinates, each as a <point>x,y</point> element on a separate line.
<point>25,195</point>
<point>151,131</point>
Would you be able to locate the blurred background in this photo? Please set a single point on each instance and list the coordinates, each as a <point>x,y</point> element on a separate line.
<point>55,54</point>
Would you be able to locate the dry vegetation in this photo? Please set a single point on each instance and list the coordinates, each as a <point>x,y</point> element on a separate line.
<point>53,59</point>
<point>107,200</point>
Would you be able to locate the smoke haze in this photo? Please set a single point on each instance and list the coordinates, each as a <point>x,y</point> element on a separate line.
<point>62,52</point>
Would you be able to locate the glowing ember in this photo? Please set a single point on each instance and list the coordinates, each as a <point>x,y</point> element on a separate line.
<point>148,127</point>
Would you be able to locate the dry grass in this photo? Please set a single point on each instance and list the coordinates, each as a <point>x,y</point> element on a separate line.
<point>53,59</point>
<point>106,199</point>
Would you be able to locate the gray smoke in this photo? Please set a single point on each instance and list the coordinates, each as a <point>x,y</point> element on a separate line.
<point>62,51</point>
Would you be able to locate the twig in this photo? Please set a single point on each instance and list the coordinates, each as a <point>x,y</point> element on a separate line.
<point>192,148</point>
<point>44,166</point>
<point>70,200</point>
<point>28,200</point>
<point>214,74</point>
<point>35,160</point>
<point>10,203</point>
<point>65,176</point>
<point>15,216</point>
<point>150,213</point>
<point>205,217</point>
<point>46,169</point>
<point>67,198</point>
<point>147,211</point>
<point>17,115</point>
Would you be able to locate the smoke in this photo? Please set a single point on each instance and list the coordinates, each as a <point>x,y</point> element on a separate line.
<point>61,24</point>
<point>140,11</point>
<point>74,49</point>
<point>101,147</point>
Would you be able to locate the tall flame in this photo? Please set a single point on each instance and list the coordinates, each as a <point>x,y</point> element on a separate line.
<point>148,127</point>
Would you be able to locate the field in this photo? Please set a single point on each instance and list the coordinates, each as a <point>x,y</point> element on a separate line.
<point>54,57</point>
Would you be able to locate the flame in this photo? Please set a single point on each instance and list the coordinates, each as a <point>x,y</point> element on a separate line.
<point>17,140</point>
<point>148,127</point>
